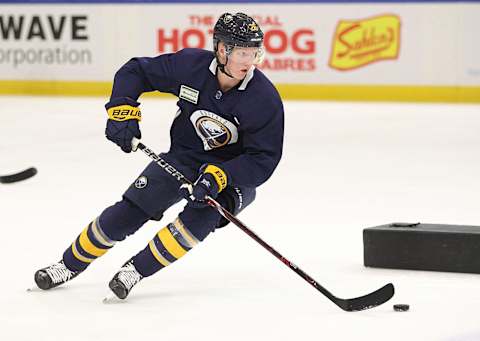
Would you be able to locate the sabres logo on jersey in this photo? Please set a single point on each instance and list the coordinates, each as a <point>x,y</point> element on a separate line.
<point>214,130</point>
<point>215,133</point>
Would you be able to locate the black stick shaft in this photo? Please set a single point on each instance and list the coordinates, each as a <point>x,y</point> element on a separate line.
<point>230,217</point>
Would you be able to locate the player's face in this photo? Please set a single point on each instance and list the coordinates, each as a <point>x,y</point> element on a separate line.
<point>240,60</point>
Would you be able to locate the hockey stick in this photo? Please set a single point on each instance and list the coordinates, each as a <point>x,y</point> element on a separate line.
<point>371,300</point>
<point>23,175</point>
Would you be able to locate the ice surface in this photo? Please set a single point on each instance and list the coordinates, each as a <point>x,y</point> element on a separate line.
<point>346,166</point>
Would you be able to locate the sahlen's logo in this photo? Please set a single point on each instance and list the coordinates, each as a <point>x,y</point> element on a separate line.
<point>141,182</point>
<point>361,42</point>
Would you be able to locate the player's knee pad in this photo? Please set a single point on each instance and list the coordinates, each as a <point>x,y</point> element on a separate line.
<point>235,199</point>
<point>200,221</point>
<point>122,219</point>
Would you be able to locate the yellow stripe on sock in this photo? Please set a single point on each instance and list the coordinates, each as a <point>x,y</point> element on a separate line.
<point>88,246</point>
<point>79,256</point>
<point>171,244</point>
<point>158,256</point>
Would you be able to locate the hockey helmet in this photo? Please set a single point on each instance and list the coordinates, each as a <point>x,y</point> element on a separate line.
<point>237,30</point>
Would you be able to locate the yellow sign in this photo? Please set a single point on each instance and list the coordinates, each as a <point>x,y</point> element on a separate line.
<point>361,42</point>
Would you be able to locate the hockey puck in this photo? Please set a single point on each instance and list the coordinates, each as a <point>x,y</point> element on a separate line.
<point>401,307</point>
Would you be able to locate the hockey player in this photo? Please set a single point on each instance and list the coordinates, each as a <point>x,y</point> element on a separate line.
<point>227,134</point>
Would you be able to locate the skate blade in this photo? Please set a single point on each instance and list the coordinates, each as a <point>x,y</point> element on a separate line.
<point>111,298</point>
<point>33,289</point>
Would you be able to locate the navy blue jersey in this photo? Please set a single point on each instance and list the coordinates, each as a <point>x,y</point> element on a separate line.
<point>240,130</point>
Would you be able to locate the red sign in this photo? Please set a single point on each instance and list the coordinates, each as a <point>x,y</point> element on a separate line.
<point>292,49</point>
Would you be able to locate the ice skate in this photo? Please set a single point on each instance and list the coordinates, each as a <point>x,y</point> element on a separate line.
<point>124,280</point>
<point>54,275</point>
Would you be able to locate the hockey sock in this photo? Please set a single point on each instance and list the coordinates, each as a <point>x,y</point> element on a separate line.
<point>88,246</point>
<point>169,244</point>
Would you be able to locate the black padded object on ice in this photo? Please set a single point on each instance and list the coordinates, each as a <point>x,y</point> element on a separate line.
<point>435,247</point>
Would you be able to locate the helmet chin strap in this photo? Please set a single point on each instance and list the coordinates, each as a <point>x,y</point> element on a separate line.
<point>222,66</point>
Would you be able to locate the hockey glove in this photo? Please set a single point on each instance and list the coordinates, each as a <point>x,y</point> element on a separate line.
<point>211,181</point>
<point>122,123</point>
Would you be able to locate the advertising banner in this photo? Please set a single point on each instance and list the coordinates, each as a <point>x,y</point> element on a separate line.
<point>334,45</point>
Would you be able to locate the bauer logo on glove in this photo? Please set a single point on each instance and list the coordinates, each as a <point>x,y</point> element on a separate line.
<point>219,176</point>
<point>211,181</point>
<point>122,125</point>
<point>124,112</point>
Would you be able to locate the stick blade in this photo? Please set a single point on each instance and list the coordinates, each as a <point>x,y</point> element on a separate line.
<point>23,175</point>
<point>371,300</point>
